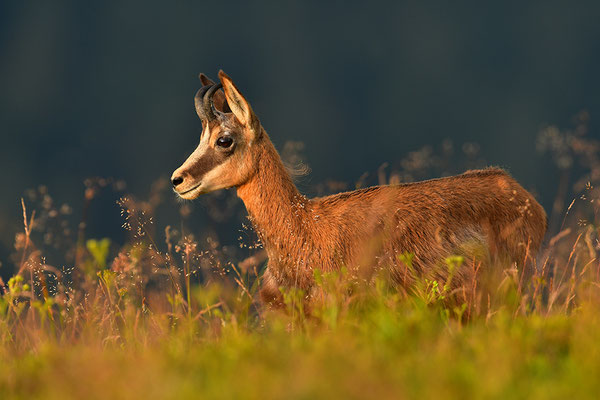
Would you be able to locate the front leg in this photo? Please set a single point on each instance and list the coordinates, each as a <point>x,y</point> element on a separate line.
<point>269,292</point>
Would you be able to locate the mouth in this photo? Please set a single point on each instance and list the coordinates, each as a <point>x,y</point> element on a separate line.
<point>182,194</point>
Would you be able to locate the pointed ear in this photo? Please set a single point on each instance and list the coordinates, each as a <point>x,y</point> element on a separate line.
<point>205,80</point>
<point>237,103</point>
<point>218,97</point>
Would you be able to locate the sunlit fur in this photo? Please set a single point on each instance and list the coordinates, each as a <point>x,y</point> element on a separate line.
<point>483,215</point>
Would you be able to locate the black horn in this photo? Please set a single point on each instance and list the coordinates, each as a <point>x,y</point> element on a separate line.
<point>208,106</point>
<point>198,101</point>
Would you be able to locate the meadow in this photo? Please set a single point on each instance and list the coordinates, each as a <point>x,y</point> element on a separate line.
<point>174,314</point>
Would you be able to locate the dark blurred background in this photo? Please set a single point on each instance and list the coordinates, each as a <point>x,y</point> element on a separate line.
<point>106,88</point>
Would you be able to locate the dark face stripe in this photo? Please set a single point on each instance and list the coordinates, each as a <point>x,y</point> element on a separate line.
<point>209,161</point>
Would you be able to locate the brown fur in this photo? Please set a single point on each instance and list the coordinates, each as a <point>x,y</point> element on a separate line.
<point>368,230</point>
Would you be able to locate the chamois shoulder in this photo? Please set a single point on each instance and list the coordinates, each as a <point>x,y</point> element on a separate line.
<point>489,171</point>
<point>353,194</point>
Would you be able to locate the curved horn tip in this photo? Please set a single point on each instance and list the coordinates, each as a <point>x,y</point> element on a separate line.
<point>207,102</point>
<point>198,101</point>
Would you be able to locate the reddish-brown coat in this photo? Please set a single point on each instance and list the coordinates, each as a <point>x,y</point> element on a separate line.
<point>368,229</point>
<point>482,215</point>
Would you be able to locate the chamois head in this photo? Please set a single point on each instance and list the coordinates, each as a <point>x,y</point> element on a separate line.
<point>230,134</point>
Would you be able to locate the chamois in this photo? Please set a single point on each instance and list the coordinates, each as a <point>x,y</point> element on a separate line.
<point>482,215</point>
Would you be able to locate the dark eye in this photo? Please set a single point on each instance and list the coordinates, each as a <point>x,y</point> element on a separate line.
<point>224,141</point>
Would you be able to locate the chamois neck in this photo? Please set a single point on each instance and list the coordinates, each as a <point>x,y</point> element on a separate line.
<point>276,208</point>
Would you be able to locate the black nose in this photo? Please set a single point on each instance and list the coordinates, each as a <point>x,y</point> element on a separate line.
<point>177,180</point>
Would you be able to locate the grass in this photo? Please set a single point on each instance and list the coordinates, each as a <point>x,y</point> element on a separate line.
<point>138,327</point>
<point>381,347</point>
<point>179,319</point>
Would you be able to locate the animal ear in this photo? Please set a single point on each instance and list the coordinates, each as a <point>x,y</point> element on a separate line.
<point>219,97</point>
<point>205,80</point>
<point>237,103</point>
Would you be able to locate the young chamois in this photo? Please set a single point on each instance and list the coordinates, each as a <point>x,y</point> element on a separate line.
<point>482,215</point>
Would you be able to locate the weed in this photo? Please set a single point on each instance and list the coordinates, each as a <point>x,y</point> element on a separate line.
<point>180,318</point>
